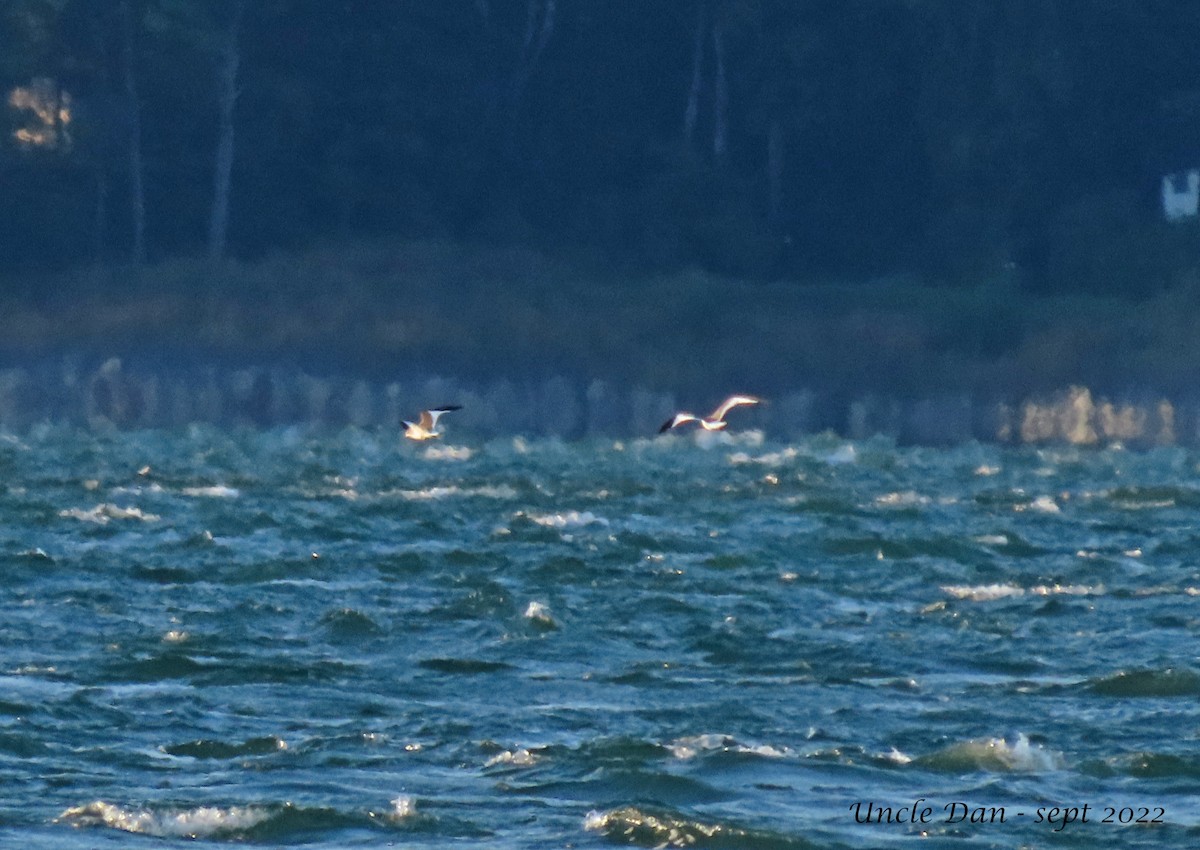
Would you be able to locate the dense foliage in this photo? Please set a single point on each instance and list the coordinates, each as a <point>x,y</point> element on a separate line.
<point>954,139</point>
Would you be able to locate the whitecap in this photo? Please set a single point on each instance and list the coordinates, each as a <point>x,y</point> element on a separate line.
<point>1066,590</point>
<point>487,491</point>
<point>448,453</point>
<point>843,454</point>
<point>778,458</point>
<point>692,745</point>
<point>716,439</point>
<point>1042,504</point>
<point>402,807</point>
<point>667,830</point>
<point>991,592</point>
<point>514,758</point>
<point>201,822</point>
<point>105,512</point>
<point>539,614</point>
<point>901,499</point>
<point>983,592</point>
<point>567,519</point>
<point>1014,753</point>
<point>216,491</point>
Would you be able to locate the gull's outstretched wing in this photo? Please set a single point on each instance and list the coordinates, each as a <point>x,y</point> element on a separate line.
<point>730,403</point>
<point>430,417</point>
<point>677,419</point>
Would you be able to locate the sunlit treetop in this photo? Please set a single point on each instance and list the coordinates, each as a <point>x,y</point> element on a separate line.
<point>46,115</point>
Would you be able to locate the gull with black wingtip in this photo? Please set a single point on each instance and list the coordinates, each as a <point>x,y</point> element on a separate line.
<point>425,428</point>
<point>715,421</point>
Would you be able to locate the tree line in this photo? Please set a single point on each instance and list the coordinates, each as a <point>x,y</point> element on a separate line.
<point>953,139</point>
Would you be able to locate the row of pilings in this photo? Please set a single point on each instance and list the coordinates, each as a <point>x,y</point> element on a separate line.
<point>109,394</point>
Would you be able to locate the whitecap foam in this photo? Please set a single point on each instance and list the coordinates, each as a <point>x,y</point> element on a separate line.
<point>567,519</point>
<point>539,614</point>
<point>402,807</point>
<point>521,757</point>
<point>1014,753</point>
<point>983,592</point>
<point>778,458</point>
<point>632,825</point>
<point>106,512</point>
<point>486,491</point>
<point>843,454</point>
<point>1042,504</point>
<point>448,453</point>
<point>692,745</point>
<point>901,499</point>
<point>216,491</point>
<point>153,488</point>
<point>201,822</point>
<point>715,439</point>
<point>991,592</point>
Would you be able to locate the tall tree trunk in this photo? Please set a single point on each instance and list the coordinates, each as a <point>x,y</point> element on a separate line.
<point>536,38</point>
<point>137,189</point>
<point>720,95</point>
<point>218,225</point>
<point>99,151</point>
<point>774,172</point>
<point>692,111</point>
<point>100,216</point>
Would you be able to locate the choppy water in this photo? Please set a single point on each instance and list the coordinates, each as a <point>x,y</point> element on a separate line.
<point>283,638</point>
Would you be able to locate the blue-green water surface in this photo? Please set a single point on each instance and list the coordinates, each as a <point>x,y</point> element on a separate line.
<point>289,638</point>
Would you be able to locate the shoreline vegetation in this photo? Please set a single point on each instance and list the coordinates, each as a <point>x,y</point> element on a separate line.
<point>533,343</point>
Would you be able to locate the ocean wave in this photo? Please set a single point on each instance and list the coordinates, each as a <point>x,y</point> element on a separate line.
<point>1014,754</point>
<point>1165,682</point>
<point>690,746</point>
<point>496,491</point>
<point>448,453</point>
<point>1152,765</point>
<point>902,499</point>
<point>349,623</point>
<point>1042,505</point>
<point>214,749</point>
<point>539,615</point>
<point>201,822</point>
<point>778,458</point>
<point>521,757</point>
<point>403,808</point>
<point>992,592</point>
<point>215,491</point>
<point>1134,498</point>
<point>566,519</point>
<point>105,512</point>
<point>645,828</point>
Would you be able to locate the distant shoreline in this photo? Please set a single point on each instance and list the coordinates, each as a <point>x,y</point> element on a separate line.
<point>391,322</point>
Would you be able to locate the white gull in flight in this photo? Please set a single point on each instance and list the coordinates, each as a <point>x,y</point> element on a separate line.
<point>425,428</point>
<point>715,421</point>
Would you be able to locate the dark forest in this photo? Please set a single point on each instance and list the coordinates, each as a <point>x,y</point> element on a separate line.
<point>767,140</point>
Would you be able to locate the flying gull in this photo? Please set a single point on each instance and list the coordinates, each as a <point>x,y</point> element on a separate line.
<point>715,421</point>
<point>426,427</point>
